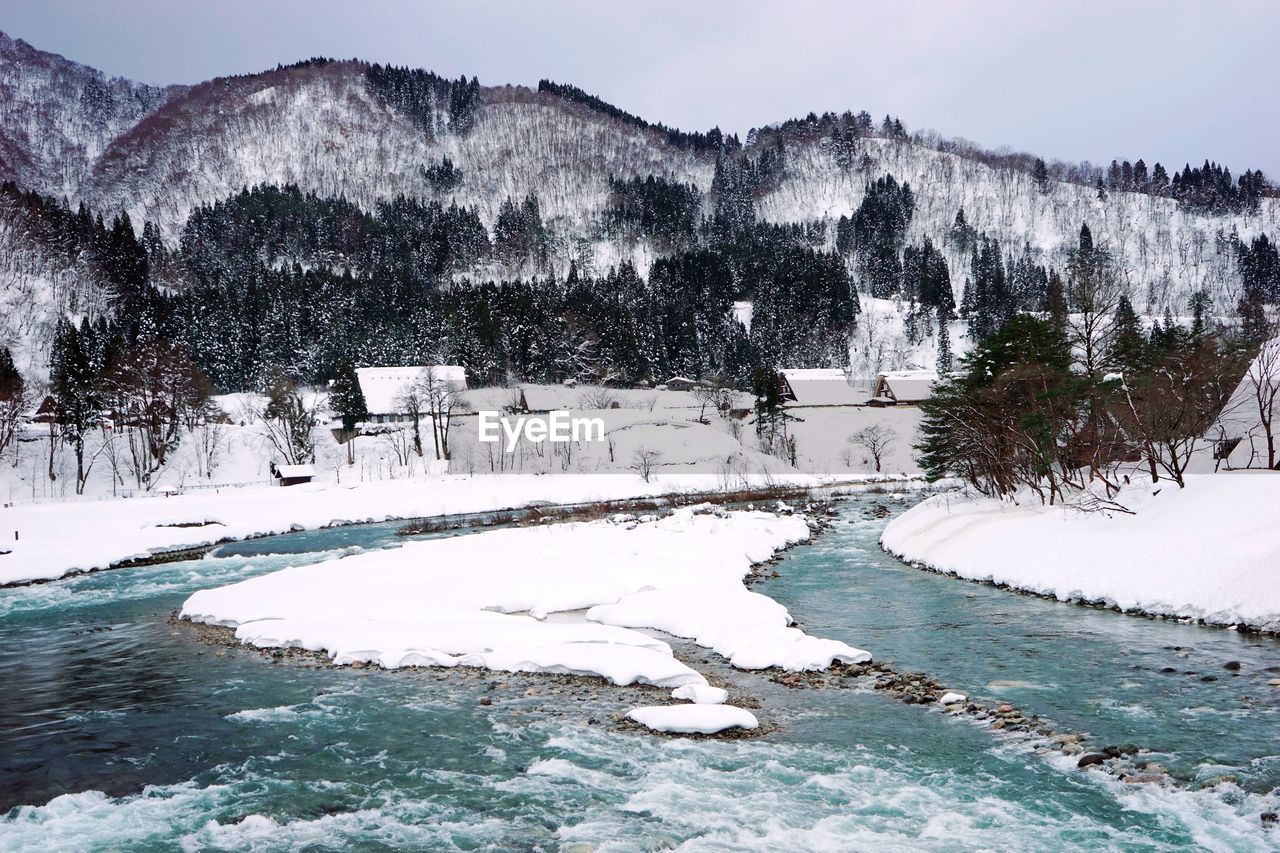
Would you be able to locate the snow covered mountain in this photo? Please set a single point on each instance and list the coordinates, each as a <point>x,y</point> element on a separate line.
<point>159,153</point>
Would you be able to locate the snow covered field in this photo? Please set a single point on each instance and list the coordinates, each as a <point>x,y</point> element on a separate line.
<point>1210,551</point>
<point>57,538</point>
<point>568,598</point>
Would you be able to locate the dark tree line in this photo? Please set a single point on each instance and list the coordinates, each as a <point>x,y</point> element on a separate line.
<point>518,232</point>
<point>712,140</point>
<point>666,212</point>
<point>269,225</point>
<point>999,286</point>
<point>1260,276</point>
<point>139,389</point>
<point>735,185</point>
<point>1208,188</point>
<point>876,233</point>
<point>425,96</point>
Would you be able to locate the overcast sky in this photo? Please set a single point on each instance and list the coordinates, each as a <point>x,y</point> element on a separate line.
<point>1169,81</point>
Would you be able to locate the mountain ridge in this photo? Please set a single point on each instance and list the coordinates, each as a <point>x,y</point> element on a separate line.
<point>324,126</point>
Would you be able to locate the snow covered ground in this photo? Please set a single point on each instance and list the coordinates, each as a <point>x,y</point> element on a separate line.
<point>485,600</point>
<point>1210,551</point>
<point>56,538</point>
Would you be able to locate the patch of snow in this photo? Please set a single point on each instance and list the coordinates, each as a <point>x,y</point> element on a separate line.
<point>701,694</point>
<point>693,719</point>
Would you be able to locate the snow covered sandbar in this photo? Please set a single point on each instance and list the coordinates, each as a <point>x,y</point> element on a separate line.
<point>482,600</point>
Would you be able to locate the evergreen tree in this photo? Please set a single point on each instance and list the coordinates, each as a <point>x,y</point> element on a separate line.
<point>76,393</point>
<point>346,399</point>
<point>1198,304</point>
<point>1040,176</point>
<point>944,347</point>
<point>1127,353</point>
<point>13,398</point>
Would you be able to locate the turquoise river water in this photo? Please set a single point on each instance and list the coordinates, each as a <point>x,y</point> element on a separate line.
<point>121,729</point>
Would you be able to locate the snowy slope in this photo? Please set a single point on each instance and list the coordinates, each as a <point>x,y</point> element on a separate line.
<point>57,117</point>
<point>1163,252</point>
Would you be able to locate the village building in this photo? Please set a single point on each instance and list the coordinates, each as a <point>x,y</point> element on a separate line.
<point>903,388</point>
<point>1239,438</point>
<point>292,475</point>
<point>821,388</point>
<point>384,388</point>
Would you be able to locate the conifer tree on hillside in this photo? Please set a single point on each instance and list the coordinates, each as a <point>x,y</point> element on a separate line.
<point>1127,350</point>
<point>1040,176</point>
<point>347,400</point>
<point>73,383</point>
<point>13,398</point>
<point>944,347</point>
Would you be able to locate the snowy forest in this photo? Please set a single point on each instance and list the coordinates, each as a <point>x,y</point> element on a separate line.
<point>341,213</point>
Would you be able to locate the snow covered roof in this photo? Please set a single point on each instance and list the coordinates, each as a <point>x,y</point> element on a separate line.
<point>906,386</point>
<point>288,472</point>
<point>546,398</point>
<point>1241,417</point>
<point>823,387</point>
<point>384,386</point>
<point>494,399</point>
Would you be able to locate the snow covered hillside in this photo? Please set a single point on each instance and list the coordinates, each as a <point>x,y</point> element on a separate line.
<point>1163,252</point>
<point>1207,552</point>
<point>57,117</point>
<point>160,153</point>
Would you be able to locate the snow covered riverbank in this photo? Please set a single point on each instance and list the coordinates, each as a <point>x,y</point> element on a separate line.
<point>55,539</point>
<point>1208,552</point>
<point>567,598</point>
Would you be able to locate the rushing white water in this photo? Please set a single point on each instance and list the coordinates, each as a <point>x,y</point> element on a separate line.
<point>123,730</point>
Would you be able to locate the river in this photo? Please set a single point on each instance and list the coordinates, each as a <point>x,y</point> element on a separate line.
<point>119,728</point>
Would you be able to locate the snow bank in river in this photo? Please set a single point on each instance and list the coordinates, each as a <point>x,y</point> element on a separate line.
<point>56,538</point>
<point>1210,551</point>
<point>458,601</point>
<point>702,694</point>
<point>693,719</point>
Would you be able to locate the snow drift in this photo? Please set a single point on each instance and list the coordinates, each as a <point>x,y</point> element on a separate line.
<point>1208,552</point>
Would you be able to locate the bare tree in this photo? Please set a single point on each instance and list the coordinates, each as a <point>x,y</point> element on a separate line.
<point>1171,410</point>
<point>287,421</point>
<point>1093,294</point>
<point>876,439</point>
<point>211,442</point>
<point>413,402</point>
<point>598,397</point>
<point>715,393</point>
<point>154,391</point>
<point>1263,381</point>
<point>443,399</point>
<point>645,461</point>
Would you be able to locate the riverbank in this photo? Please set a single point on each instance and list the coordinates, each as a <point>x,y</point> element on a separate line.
<point>1208,553</point>
<point>49,541</point>
<point>126,726</point>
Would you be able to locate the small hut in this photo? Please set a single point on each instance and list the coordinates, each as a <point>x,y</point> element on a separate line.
<point>292,475</point>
